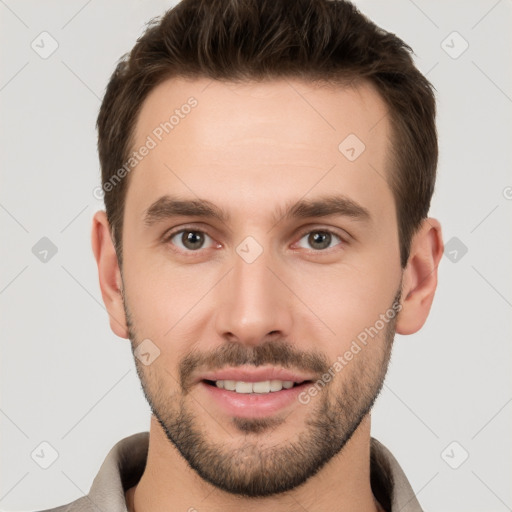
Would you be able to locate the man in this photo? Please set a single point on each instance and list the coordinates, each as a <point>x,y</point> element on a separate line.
<point>267,168</point>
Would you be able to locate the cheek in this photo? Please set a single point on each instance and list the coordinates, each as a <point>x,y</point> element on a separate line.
<point>160,295</point>
<point>349,299</point>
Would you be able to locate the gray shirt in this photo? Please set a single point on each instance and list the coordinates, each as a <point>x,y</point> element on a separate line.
<point>125,463</point>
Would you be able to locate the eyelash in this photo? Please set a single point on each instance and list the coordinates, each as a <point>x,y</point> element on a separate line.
<point>169,236</point>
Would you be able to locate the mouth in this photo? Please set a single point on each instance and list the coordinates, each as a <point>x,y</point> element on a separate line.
<point>259,399</point>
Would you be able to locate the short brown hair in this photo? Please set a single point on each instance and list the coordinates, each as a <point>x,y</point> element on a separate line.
<point>245,40</point>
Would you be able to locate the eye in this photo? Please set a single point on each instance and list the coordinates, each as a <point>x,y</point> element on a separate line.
<point>321,239</point>
<point>189,240</point>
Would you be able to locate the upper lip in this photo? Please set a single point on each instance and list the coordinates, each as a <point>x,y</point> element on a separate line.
<point>254,375</point>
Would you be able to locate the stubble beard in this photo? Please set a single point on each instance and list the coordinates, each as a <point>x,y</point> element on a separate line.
<point>250,466</point>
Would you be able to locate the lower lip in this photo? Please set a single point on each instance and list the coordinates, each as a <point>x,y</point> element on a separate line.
<point>253,405</point>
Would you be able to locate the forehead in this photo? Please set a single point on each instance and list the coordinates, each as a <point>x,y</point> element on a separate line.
<point>239,108</point>
<point>273,139</point>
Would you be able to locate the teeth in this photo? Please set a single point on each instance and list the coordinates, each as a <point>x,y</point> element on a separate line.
<point>265,386</point>
<point>261,387</point>
<point>243,387</point>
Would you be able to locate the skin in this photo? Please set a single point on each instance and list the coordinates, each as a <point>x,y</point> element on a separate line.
<point>251,148</point>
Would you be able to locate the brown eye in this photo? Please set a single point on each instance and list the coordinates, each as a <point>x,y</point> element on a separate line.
<point>189,239</point>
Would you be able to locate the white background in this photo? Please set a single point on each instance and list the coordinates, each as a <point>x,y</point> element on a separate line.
<point>67,380</point>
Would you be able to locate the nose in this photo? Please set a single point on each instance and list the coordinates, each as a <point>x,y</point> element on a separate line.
<point>252,303</point>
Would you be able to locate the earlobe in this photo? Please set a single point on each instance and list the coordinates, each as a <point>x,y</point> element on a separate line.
<point>420,277</point>
<point>109,273</point>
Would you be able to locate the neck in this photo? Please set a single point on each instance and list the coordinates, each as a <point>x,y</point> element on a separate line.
<point>168,483</point>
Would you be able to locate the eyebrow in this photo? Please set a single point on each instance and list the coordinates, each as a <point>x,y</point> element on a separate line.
<point>170,206</point>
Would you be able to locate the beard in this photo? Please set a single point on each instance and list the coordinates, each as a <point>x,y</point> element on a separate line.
<point>252,468</point>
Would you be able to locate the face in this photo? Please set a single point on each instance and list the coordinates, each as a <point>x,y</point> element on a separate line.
<point>288,261</point>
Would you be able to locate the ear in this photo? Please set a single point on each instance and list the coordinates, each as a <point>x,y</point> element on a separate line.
<point>420,277</point>
<point>109,273</point>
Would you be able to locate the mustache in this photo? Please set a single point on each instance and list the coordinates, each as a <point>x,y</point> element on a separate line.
<point>233,354</point>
